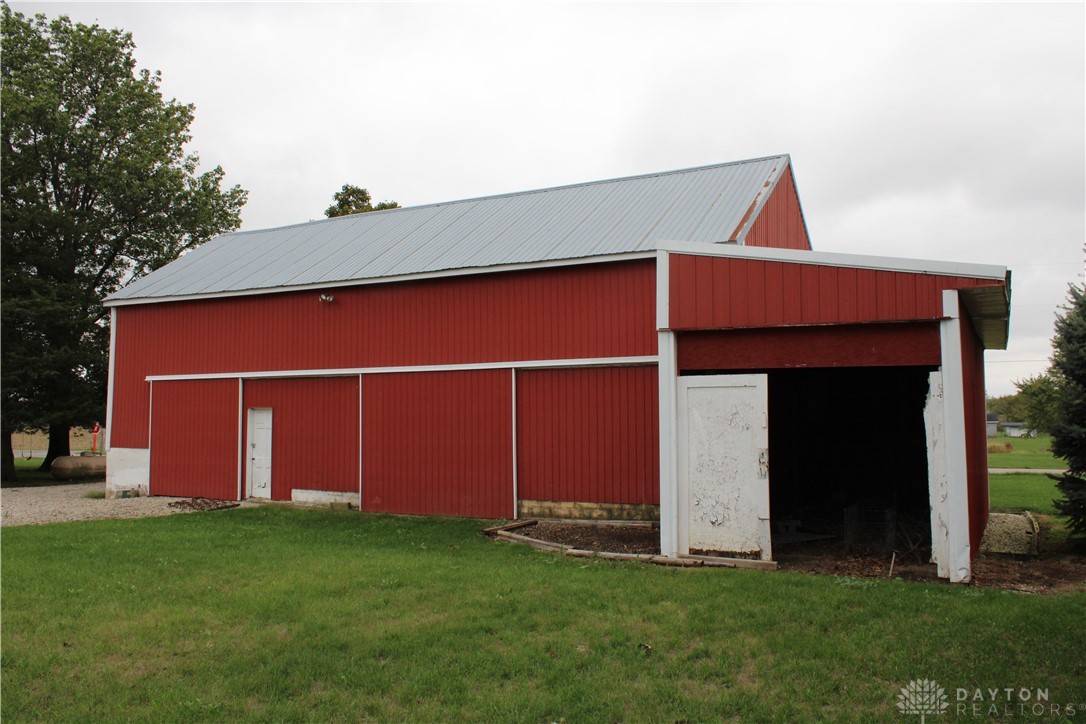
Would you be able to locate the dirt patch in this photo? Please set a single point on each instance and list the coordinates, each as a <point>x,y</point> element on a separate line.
<point>826,557</point>
<point>598,537</point>
<point>1031,575</point>
<point>1056,571</point>
<point>1053,572</point>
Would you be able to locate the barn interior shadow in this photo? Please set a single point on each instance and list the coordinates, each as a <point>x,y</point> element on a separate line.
<point>848,462</point>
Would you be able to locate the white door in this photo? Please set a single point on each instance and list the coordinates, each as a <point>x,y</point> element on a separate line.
<point>724,466</point>
<point>260,452</point>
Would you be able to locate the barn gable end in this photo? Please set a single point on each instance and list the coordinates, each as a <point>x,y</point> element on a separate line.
<point>780,223</point>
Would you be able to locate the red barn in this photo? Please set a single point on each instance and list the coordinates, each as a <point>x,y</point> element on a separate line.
<point>662,345</point>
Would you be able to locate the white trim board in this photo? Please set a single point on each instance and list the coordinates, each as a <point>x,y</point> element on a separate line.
<point>663,290</point>
<point>467,271</point>
<point>111,376</point>
<point>823,258</point>
<point>241,437</point>
<point>668,378</point>
<point>360,441</point>
<point>351,371</point>
<point>516,482</point>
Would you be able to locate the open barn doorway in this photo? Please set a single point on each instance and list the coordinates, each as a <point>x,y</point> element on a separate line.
<point>848,462</point>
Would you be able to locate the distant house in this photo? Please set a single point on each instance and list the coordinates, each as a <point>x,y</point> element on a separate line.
<point>1016,429</point>
<point>992,424</point>
<point>651,346</point>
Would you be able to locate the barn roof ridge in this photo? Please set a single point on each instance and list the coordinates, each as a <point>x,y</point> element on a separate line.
<point>526,192</point>
<point>593,219</point>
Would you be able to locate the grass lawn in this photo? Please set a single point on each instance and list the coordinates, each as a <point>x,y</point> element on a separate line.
<point>1022,491</point>
<point>1027,452</point>
<point>31,477</point>
<point>276,613</point>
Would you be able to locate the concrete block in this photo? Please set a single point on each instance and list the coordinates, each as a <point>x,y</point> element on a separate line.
<point>334,498</point>
<point>1014,533</point>
<point>587,511</point>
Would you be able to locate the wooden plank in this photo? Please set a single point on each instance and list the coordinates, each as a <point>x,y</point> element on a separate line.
<point>534,543</point>
<point>734,562</point>
<point>511,526</point>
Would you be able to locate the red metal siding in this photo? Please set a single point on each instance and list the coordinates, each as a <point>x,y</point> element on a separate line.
<point>438,443</point>
<point>976,440</point>
<point>130,391</point>
<point>597,310</point>
<point>194,439</point>
<point>727,293</point>
<point>588,435</point>
<point>314,432</point>
<point>780,222</point>
<point>857,345</point>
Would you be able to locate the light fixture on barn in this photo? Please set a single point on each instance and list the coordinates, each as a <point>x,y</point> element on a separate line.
<point>327,298</point>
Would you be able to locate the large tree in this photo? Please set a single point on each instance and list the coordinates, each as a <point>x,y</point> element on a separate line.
<point>353,199</point>
<point>1007,407</point>
<point>97,190</point>
<point>1069,432</point>
<point>1039,401</point>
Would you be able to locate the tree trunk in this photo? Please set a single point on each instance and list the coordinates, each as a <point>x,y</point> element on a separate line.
<point>59,446</point>
<point>7,465</point>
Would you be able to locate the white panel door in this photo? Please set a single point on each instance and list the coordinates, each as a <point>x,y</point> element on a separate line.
<point>260,452</point>
<point>724,466</point>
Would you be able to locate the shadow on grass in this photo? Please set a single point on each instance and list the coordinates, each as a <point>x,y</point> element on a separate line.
<point>28,476</point>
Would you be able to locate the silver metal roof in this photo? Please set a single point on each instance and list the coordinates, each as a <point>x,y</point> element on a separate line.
<point>706,204</point>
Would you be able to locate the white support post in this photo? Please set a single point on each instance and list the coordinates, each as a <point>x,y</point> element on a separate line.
<point>241,433</point>
<point>669,471</point>
<point>513,383</point>
<point>360,441</point>
<point>109,380</point>
<point>667,370</point>
<point>958,562</point>
<point>150,411</point>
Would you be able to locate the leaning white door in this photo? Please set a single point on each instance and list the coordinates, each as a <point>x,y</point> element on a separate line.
<point>724,466</point>
<point>260,452</point>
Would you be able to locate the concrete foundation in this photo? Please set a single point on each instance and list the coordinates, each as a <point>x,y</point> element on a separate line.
<point>587,511</point>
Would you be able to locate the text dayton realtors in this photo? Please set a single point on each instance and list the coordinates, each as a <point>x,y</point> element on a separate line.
<point>1009,701</point>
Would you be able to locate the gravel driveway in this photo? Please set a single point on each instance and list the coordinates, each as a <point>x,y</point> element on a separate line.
<point>58,503</point>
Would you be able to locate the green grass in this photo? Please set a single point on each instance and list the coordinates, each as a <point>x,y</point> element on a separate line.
<point>28,474</point>
<point>276,613</point>
<point>1022,491</point>
<point>1055,537</point>
<point>1028,452</point>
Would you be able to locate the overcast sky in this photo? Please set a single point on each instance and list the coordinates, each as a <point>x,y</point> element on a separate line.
<point>940,131</point>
